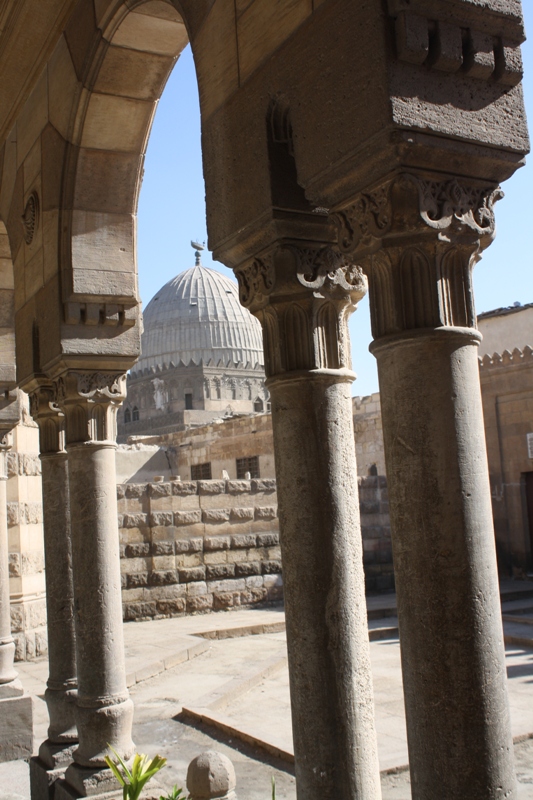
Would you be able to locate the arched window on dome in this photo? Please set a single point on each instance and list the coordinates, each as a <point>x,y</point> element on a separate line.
<point>135,414</point>
<point>127,416</point>
<point>258,405</point>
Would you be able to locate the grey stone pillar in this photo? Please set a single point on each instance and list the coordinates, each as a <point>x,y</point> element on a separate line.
<point>303,292</point>
<point>16,719</point>
<point>427,235</point>
<point>55,753</point>
<point>104,710</point>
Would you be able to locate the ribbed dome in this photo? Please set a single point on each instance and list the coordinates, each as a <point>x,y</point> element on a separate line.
<point>197,316</point>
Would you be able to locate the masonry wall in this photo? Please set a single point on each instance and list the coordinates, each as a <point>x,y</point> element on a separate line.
<point>507,393</point>
<point>368,432</point>
<point>26,545</point>
<point>190,546</point>
<point>196,546</point>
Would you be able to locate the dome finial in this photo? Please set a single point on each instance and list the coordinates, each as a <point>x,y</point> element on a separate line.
<point>198,248</point>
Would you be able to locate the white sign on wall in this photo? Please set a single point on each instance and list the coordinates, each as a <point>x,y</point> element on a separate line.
<point>529,437</point>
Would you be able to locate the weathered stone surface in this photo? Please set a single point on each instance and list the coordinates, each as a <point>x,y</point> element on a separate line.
<point>241,514</point>
<point>184,488</point>
<point>134,520</point>
<point>245,569</point>
<point>211,487</point>
<point>139,610</point>
<point>188,574</point>
<point>243,540</point>
<point>267,539</point>
<point>215,571</point>
<point>138,549</point>
<point>202,602</point>
<point>215,515</point>
<point>187,517</point>
<point>159,489</point>
<point>161,518</point>
<point>266,512</point>
<point>210,775</point>
<point>217,543</point>
<point>270,567</point>
<point>163,548</point>
<point>238,487</point>
<point>163,577</point>
<point>264,485</point>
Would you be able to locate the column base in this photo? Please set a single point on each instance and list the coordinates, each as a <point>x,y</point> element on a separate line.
<point>16,727</point>
<point>48,767</point>
<point>86,782</point>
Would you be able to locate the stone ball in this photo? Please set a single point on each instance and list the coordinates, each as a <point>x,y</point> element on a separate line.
<point>210,775</point>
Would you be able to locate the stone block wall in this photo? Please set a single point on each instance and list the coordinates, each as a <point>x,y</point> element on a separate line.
<point>26,546</point>
<point>376,533</point>
<point>193,546</point>
<point>368,431</point>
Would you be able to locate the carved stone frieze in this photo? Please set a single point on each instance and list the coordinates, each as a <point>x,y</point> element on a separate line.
<point>256,281</point>
<point>419,260</point>
<point>90,401</point>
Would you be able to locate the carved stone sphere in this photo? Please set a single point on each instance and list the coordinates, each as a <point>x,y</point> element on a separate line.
<point>211,775</point>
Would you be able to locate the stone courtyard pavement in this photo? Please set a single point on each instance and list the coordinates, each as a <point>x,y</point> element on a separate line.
<point>221,680</point>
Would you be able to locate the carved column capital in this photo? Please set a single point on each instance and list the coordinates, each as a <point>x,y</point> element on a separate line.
<point>303,292</point>
<point>418,239</point>
<point>89,401</point>
<point>45,411</point>
<point>409,204</point>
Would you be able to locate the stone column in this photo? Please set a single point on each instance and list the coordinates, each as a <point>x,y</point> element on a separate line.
<point>303,293</point>
<point>55,753</point>
<point>16,725</point>
<point>418,239</point>
<point>104,710</point>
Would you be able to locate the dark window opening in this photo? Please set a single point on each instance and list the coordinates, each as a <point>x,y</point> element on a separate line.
<point>258,405</point>
<point>250,464</point>
<point>127,416</point>
<point>201,472</point>
<point>135,414</point>
<point>373,470</point>
<point>188,401</point>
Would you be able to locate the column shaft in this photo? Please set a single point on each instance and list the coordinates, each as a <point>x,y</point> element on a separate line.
<point>418,239</point>
<point>303,292</point>
<point>61,686</point>
<point>453,660</point>
<point>104,711</point>
<point>327,635</point>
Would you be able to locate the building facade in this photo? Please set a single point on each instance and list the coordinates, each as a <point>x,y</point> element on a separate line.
<point>201,357</point>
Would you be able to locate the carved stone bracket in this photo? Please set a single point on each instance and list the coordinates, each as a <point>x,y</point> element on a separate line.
<point>89,401</point>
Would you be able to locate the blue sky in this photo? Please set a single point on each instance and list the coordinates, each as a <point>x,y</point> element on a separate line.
<point>172,212</point>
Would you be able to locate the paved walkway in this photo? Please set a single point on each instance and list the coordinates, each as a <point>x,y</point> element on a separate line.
<point>221,680</point>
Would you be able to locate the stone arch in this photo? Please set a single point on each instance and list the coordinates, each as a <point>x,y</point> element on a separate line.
<point>133,54</point>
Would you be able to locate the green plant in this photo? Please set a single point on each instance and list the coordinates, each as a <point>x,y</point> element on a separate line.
<point>174,794</point>
<point>134,780</point>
